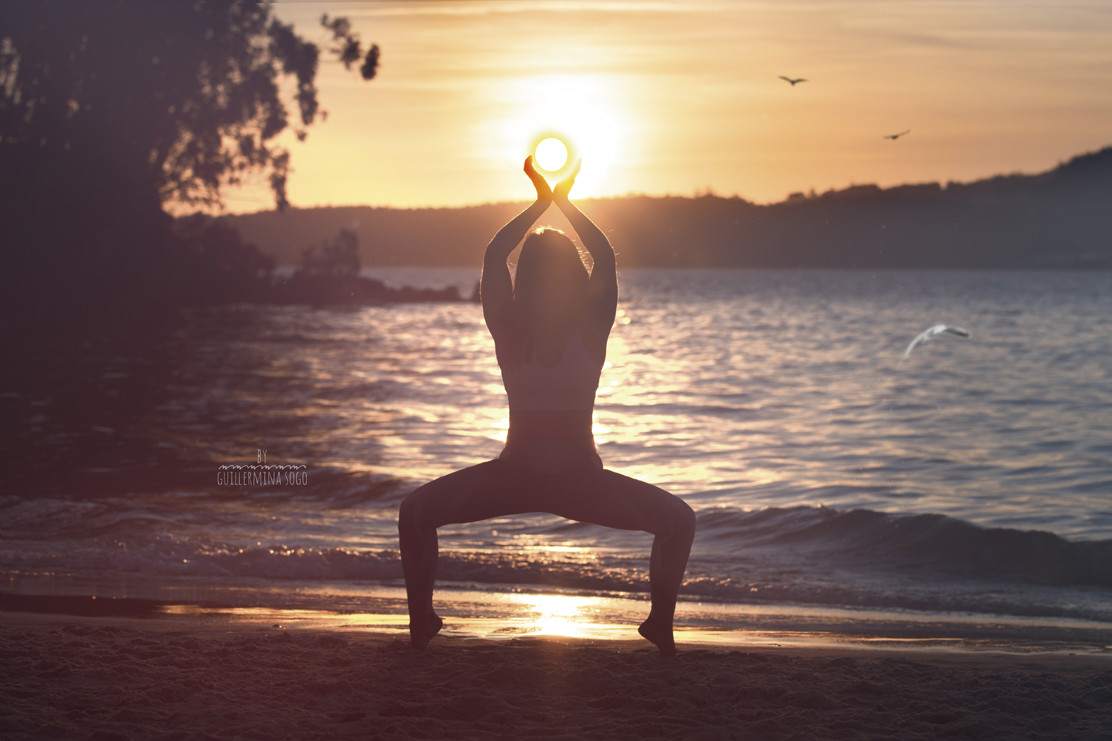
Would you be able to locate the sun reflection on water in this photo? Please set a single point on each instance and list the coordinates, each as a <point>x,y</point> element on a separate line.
<point>498,428</point>
<point>601,432</point>
<point>582,554</point>
<point>558,614</point>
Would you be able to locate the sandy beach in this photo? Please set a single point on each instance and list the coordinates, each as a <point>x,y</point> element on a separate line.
<point>128,678</point>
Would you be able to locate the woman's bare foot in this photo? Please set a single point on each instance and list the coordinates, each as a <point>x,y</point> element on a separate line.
<point>660,635</point>
<point>420,633</point>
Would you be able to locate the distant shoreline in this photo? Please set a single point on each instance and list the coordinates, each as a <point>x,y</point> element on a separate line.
<point>1055,219</point>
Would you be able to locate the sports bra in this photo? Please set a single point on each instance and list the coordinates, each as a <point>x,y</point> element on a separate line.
<point>570,384</point>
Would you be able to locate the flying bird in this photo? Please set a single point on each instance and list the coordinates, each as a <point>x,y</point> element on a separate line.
<point>793,82</point>
<point>894,137</point>
<point>932,332</point>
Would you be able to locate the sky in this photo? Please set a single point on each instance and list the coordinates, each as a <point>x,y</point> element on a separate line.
<point>685,97</point>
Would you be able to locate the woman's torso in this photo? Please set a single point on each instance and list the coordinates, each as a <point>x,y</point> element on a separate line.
<point>552,405</point>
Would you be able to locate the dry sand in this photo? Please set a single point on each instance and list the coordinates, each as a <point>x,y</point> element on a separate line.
<point>108,678</point>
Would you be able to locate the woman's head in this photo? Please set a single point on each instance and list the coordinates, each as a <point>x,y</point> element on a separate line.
<point>551,280</point>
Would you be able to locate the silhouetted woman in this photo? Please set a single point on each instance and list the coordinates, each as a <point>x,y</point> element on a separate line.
<point>550,326</point>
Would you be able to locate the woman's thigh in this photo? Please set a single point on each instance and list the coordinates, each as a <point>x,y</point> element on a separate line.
<point>481,492</point>
<point>614,500</point>
<point>497,489</point>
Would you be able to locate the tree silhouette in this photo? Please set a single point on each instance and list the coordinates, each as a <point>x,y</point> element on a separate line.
<point>182,96</point>
<point>112,110</point>
<point>339,258</point>
<point>221,266</point>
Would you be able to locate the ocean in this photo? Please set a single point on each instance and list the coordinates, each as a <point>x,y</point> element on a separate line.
<point>962,495</point>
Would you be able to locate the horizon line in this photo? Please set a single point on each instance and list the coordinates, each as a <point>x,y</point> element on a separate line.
<point>708,192</point>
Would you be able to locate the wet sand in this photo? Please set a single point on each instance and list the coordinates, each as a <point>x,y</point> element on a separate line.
<point>190,677</point>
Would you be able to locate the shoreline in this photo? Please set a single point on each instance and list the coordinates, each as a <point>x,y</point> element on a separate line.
<point>187,677</point>
<point>473,612</point>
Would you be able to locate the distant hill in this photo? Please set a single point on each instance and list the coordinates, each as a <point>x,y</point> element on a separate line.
<point>1060,218</point>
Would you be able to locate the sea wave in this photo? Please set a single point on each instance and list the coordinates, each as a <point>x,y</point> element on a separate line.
<point>917,542</point>
<point>867,540</point>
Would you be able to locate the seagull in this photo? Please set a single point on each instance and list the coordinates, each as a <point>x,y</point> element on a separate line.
<point>931,333</point>
<point>793,82</point>
<point>894,137</point>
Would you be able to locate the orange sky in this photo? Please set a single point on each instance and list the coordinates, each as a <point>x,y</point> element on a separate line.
<point>681,97</point>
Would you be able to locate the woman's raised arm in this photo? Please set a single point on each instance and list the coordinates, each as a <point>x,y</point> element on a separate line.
<point>495,287</point>
<point>603,286</point>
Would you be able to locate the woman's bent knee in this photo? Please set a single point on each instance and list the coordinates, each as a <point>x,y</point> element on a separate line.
<point>682,519</point>
<point>673,519</point>
<point>410,513</point>
<point>688,516</point>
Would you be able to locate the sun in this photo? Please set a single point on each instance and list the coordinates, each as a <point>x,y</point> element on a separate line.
<point>551,154</point>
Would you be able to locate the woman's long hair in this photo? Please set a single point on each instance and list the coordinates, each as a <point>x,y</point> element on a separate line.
<point>550,287</point>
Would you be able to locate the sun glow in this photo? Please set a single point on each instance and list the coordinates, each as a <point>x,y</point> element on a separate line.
<point>583,112</point>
